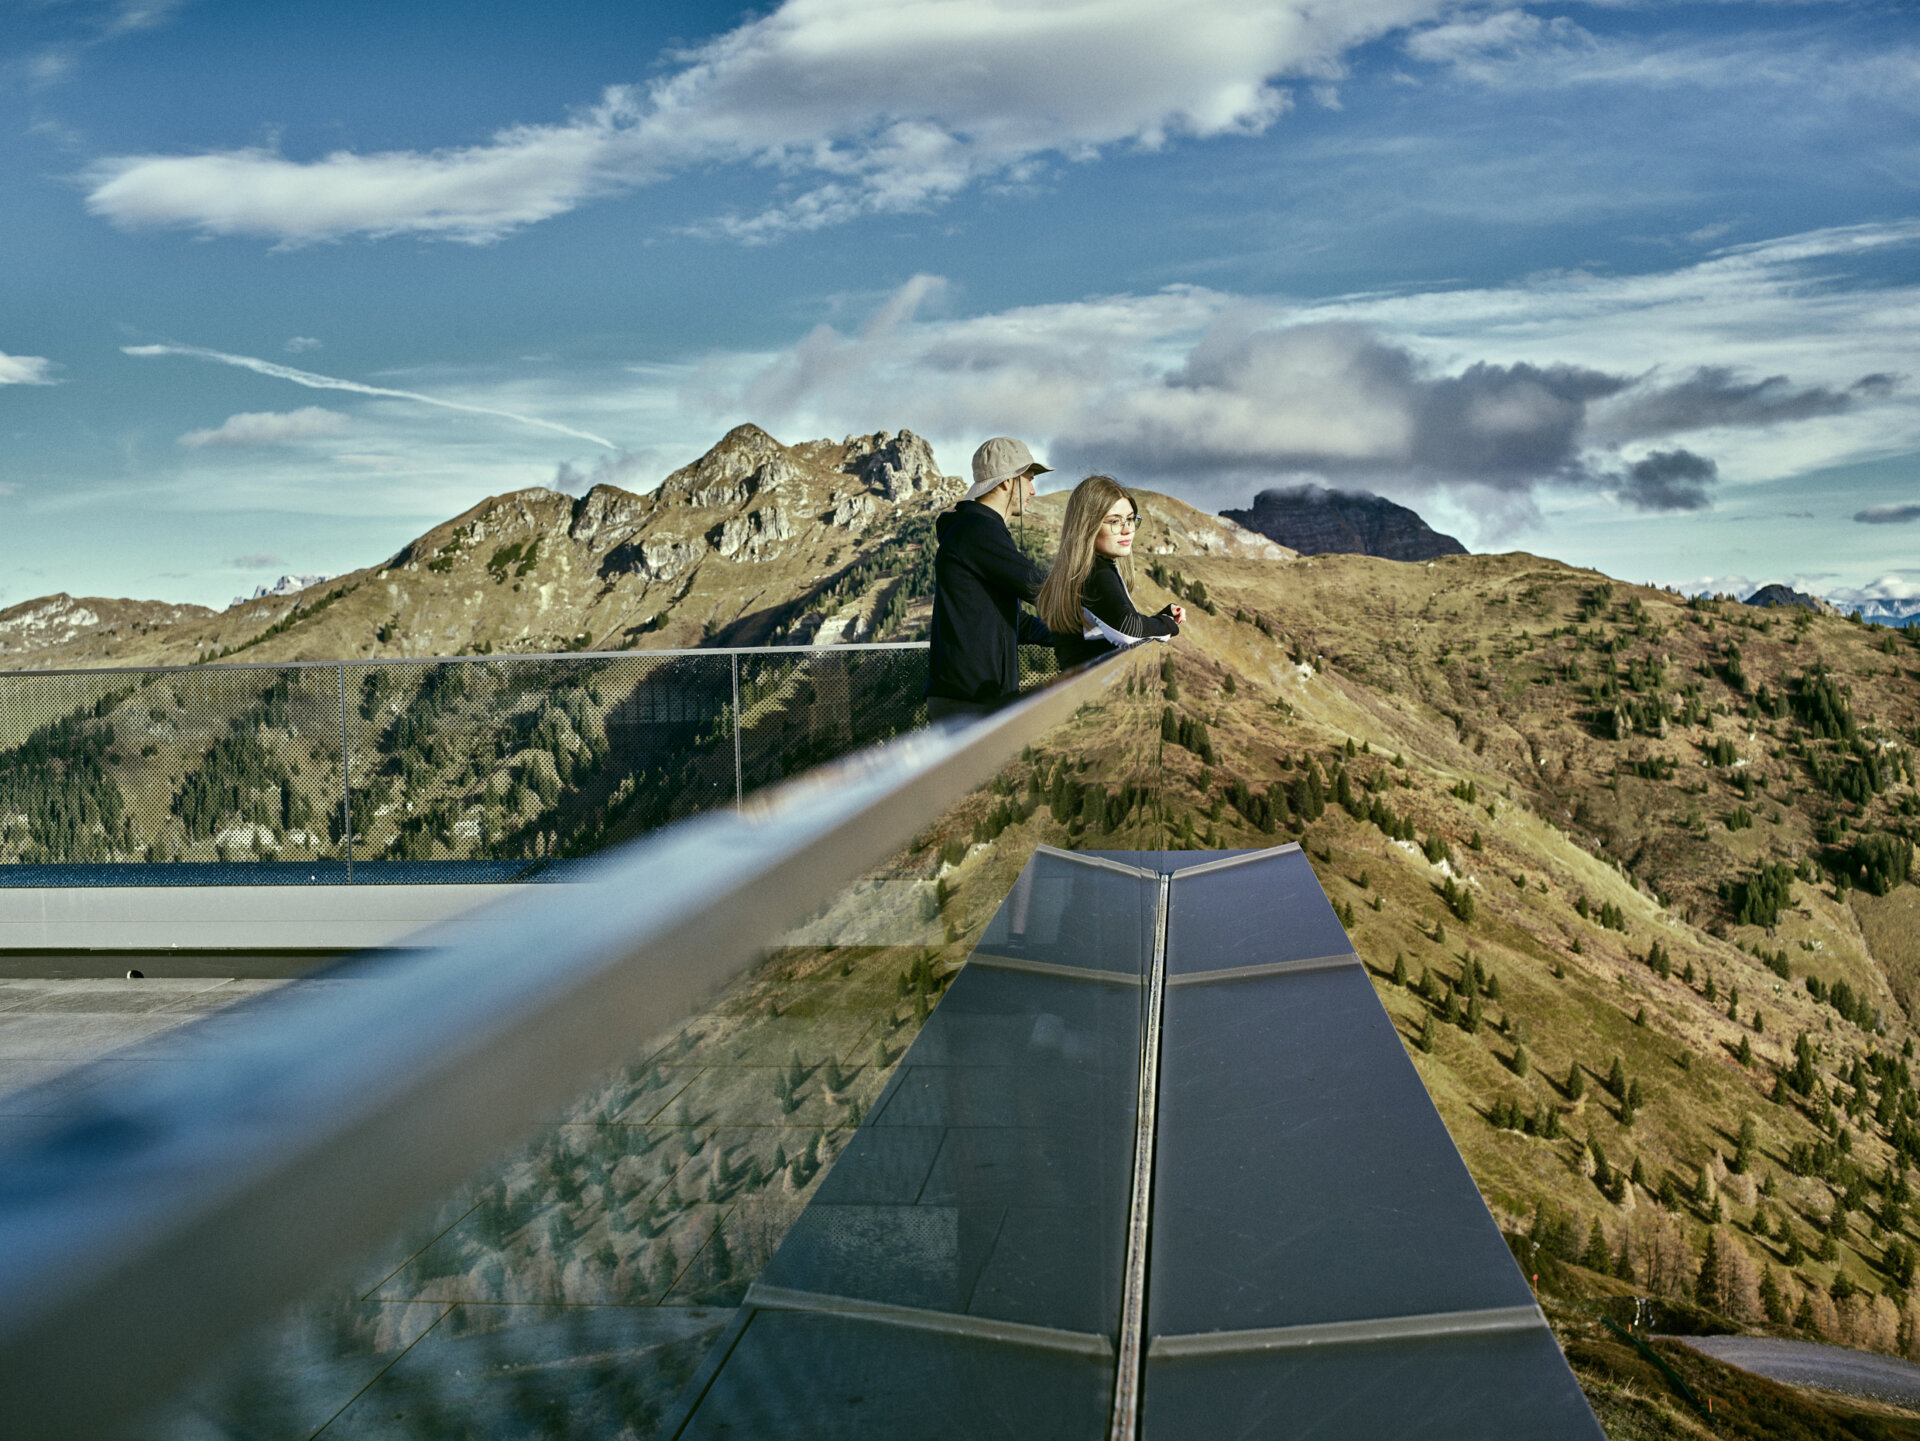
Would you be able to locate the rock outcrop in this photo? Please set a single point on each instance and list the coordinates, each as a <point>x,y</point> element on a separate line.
<point>1313,520</point>
<point>35,631</point>
<point>1776,594</point>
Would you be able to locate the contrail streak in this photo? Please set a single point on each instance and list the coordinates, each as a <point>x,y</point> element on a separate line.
<point>328,382</point>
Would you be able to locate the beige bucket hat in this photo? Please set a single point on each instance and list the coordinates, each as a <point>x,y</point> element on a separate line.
<point>999,460</point>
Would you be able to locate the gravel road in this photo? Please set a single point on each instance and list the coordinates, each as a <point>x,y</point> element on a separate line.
<point>1805,1363</point>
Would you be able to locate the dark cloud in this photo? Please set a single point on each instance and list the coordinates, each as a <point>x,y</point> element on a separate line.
<point>1717,395</point>
<point>1340,402</point>
<point>1887,514</point>
<point>1668,480</point>
<point>1507,424</point>
<point>256,561</point>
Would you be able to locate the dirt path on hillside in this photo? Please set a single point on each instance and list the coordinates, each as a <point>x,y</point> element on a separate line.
<point>1806,1363</point>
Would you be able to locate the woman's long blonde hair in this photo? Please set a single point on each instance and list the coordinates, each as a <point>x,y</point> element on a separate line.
<point>1059,603</point>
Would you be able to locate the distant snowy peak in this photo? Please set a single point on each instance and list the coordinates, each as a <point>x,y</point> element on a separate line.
<point>1877,609</point>
<point>1884,612</point>
<point>286,585</point>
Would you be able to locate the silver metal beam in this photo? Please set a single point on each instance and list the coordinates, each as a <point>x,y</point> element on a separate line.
<point>146,1231</point>
<point>1100,862</point>
<point>1495,1320</point>
<point>1131,1359</point>
<point>1228,862</point>
<point>1049,968</point>
<point>918,1318</point>
<point>511,656</point>
<point>1264,968</point>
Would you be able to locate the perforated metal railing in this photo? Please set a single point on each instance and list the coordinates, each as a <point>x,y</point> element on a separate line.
<point>460,769</point>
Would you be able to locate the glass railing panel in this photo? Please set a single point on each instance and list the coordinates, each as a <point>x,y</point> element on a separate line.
<point>197,766</point>
<point>472,769</point>
<point>721,1201</point>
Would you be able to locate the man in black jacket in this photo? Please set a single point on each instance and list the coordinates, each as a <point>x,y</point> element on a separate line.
<point>979,579</point>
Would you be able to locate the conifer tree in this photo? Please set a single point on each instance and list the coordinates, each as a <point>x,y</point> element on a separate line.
<point>719,1257</point>
<point>1400,968</point>
<point>1745,1053</point>
<point>1712,1278</point>
<point>1743,1152</point>
<point>1597,1257</point>
<point>1617,1080</point>
<point>1576,1082</point>
<point>1803,1318</point>
<point>1771,1297</point>
<point>1426,1035</point>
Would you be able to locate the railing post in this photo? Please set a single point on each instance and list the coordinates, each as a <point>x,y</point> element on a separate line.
<point>346,783</point>
<point>739,775</point>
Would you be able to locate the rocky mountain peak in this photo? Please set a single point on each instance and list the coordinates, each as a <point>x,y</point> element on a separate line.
<point>1315,521</point>
<point>1777,594</point>
<point>607,508</point>
<point>895,466</point>
<point>47,623</point>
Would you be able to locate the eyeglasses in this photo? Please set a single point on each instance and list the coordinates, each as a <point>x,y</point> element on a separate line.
<point>1121,522</point>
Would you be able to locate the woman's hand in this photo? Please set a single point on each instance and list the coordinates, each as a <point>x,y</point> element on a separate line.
<point>1179,613</point>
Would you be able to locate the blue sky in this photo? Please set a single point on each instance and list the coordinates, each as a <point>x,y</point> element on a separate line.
<point>1632,285</point>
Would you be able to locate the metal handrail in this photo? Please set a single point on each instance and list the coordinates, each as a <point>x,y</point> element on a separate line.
<point>148,1229</point>
<point>495,658</point>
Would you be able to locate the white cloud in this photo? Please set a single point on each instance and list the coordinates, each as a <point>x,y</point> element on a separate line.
<point>25,370</point>
<point>314,381</point>
<point>1515,49</point>
<point>267,427</point>
<point>1758,360</point>
<point>861,106</point>
<point>1486,47</point>
<point>300,344</point>
<point>81,26</point>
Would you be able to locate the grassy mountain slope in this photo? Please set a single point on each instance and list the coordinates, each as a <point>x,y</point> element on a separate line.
<point>1560,793</point>
<point>755,543</point>
<point>1630,871</point>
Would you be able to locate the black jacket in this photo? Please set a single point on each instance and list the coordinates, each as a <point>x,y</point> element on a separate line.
<point>1105,594</point>
<point>979,579</point>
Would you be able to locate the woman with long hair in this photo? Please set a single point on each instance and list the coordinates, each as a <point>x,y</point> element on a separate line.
<point>1084,600</point>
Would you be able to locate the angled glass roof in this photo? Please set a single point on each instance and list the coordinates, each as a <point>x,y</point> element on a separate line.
<point>1318,1261</point>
